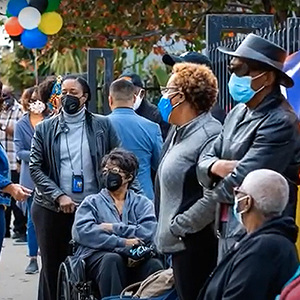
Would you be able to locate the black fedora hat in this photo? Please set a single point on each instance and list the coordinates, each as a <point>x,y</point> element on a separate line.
<point>259,49</point>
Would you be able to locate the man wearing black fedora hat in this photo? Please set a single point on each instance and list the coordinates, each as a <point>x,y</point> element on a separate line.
<point>261,132</point>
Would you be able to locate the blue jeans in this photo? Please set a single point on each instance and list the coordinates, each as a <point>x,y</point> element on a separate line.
<point>31,236</point>
<point>2,225</point>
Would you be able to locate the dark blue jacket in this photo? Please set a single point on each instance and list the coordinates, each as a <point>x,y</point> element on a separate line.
<point>4,176</point>
<point>143,138</point>
<point>258,266</point>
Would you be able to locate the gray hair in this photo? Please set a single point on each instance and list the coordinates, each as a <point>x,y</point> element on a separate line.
<point>269,190</point>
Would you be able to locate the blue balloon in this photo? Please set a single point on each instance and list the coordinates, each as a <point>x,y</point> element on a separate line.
<point>34,39</point>
<point>15,6</point>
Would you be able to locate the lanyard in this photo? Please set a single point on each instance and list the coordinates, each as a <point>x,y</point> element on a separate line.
<point>70,158</point>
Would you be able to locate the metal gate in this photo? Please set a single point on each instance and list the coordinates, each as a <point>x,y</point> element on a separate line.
<point>286,35</point>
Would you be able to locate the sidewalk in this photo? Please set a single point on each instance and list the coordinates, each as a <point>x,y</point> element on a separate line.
<point>14,284</point>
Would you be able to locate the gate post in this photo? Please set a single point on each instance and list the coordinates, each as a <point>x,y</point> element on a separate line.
<point>93,56</point>
<point>216,24</point>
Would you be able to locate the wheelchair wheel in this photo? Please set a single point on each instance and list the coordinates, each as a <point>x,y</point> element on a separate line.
<point>63,285</point>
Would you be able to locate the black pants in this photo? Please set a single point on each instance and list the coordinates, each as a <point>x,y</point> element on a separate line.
<point>111,274</point>
<point>53,231</point>
<point>20,219</point>
<point>193,265</point>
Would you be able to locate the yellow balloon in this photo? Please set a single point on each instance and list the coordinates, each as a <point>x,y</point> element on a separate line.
<point>51,23</point>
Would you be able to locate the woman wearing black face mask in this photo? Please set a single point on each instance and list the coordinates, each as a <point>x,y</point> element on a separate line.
<point>115,218</point>
<point>66,152</point>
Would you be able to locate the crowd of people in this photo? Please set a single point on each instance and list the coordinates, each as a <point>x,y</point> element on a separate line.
<point>215,202</point>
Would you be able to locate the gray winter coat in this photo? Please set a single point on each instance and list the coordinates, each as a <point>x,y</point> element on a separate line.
<point>184,208</point>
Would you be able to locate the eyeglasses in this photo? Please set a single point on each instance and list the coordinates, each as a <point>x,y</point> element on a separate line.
<point>238,190</point>
<point>169,90</point>
<point>115,170</point>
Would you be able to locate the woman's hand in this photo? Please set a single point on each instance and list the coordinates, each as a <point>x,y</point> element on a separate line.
<point>17,191</point>
<point>132,242</point>
<point>106,227</point>
<point>223,167</point>
<point>66,204</point>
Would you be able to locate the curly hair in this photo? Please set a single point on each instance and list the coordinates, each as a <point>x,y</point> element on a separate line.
<point>198,84</point>
<point>125,160</point>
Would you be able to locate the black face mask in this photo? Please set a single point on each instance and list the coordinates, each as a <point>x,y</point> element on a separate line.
<point>8,102</point>
<point>113,181</point>
<point>70,104</point>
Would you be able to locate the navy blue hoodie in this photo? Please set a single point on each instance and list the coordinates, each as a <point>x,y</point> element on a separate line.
<point>258,266</point>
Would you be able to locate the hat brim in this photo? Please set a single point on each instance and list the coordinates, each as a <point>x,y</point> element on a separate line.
<point>284,79</point>
<point>171,60</point>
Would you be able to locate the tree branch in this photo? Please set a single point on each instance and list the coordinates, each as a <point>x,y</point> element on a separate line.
<point>240,5</point>
<point>186,1</point>
<point>137,36</point>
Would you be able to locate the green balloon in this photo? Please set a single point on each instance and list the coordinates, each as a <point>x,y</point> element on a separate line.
<point>53,5</point>
<point>8,14</point>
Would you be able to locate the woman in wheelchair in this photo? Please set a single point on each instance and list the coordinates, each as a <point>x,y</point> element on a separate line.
<point>110,225</point>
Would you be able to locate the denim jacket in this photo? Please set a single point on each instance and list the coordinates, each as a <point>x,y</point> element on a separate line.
<point>4,177</point>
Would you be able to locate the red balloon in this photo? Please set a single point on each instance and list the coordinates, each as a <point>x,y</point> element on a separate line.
<point>13,27</point>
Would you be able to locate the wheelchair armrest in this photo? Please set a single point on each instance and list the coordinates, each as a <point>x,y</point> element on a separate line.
<point>74,246</point>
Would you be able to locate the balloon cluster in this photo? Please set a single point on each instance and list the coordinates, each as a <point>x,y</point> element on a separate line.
<point>31,22</point>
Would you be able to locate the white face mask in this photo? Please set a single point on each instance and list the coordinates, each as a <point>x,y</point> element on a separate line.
<point>237,214</point>
<point>37,107</point>
<point>138,100</point>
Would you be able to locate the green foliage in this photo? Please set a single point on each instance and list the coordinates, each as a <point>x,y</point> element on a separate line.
<point>125,23</point>
<point>17,70</point>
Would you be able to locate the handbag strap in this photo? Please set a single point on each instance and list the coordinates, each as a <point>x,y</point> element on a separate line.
<point>130,287</point>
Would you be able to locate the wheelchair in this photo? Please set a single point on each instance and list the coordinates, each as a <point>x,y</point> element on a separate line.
<point>72,283</point>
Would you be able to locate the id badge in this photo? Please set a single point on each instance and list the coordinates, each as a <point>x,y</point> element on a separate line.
<point>77,184</point>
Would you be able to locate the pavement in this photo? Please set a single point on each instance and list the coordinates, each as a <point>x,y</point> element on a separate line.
<point>14,283</point>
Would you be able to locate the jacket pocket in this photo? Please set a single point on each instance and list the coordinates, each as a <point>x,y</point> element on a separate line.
<point>100,144</point>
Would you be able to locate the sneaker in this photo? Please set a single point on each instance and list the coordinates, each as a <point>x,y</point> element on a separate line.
<point>33,267</point>
<point>20,241</point>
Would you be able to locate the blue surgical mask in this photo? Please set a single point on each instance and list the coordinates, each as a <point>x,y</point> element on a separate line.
<point>165,107</point>
<point>240,88</point>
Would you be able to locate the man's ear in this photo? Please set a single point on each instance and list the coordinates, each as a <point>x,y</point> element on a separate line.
<point>249,203</point>
<point>271,78</point>
<point>110,102</point>
<point>130,178</point>
<point>134,98</point>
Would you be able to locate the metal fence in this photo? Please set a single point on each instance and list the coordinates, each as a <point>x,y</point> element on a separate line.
<point>286,35</point>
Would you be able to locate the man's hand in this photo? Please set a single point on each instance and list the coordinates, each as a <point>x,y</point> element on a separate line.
<point>222,167</point>
<point>132,242</point>
<point>106,227</point>
<point>17,191</point>
<point>66,204</point>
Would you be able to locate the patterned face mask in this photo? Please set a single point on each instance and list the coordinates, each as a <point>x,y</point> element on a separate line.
<point>37,107</point>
